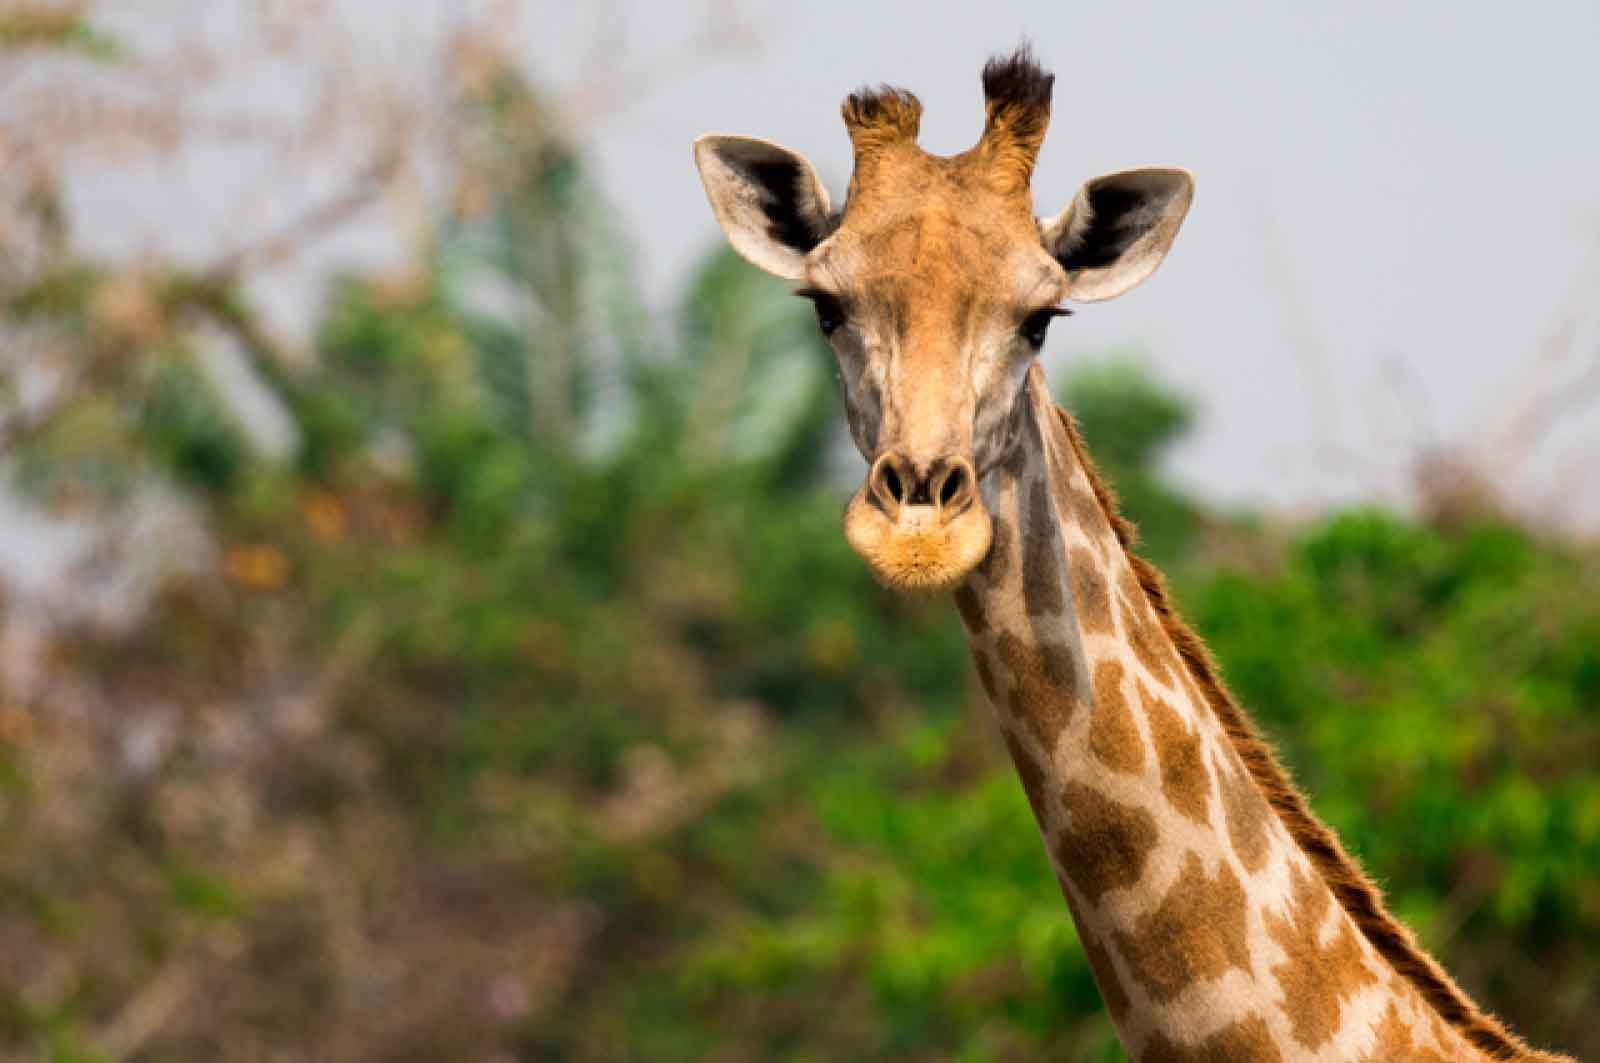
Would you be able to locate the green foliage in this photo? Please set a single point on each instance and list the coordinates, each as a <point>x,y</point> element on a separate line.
<point>203,894</point>
<point>59,30</point>
<point>1129,417</point>
<point>1129,421</point>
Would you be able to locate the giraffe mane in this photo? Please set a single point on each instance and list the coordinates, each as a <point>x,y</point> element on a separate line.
<point>1356,893</point>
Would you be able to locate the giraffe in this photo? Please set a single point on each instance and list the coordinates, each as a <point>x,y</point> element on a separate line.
<point>1221,919</point>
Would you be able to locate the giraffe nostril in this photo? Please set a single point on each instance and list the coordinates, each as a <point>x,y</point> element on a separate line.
<point>957,487</point>
<point>891,482</point>
<point>951,486</point>
<point>888,483</point>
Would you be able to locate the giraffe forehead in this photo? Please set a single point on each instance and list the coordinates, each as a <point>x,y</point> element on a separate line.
<point>938,243</point>
<point>908,176</point>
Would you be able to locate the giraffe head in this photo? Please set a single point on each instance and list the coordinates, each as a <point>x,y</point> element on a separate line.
<point>935,285</point>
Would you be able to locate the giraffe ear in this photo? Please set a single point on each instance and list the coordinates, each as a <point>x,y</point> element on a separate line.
<point>1117,229</point>
<point>767,199</point>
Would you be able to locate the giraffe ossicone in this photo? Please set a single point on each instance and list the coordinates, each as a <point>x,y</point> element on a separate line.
<point>1221,919</point>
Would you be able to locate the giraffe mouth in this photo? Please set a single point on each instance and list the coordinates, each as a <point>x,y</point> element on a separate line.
<point>917,548</point>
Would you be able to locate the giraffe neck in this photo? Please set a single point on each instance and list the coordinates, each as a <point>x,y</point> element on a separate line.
<point>1210,933</point>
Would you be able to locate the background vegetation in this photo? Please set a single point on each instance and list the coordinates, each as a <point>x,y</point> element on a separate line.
<point>527,704</point>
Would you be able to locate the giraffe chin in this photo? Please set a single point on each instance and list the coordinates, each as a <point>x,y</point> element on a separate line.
<point>917,551</point>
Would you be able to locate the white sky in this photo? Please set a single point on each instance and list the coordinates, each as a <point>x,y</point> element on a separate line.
<point>1395,203</point>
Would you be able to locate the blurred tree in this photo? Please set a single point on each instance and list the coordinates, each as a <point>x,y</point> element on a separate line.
<point>532,685</point>
<point>1130,422</point>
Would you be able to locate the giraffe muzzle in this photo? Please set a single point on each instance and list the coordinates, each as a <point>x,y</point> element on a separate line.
<point>919,525</point>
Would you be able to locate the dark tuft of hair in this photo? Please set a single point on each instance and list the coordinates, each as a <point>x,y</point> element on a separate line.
<point>885,111</point>
<point>1016,92</point>
<point>1018,80</point>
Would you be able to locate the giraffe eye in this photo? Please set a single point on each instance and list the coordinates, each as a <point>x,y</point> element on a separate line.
<point>1036,324</point>
<point>830,312</point>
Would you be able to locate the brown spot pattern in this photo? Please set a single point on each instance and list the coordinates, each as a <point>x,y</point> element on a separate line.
<point>1196,934</point>
<point>1112,991</point>
<point>1002,546</point>
<point>1197,699</point>
<point>1087,514</point>
<point>1031,772</point>
<point>1044,692</point>
<point>1245,1041</point>
<point>1316,980</point>
<point>1445,1038</point>
<point>1248,815</point>
<point>1091,598</point>
<point>1042,592</point>
<point>971,610</point>
<point>1133,594</point>
<point>1114,738</point>
<point>1148,641</point>
<point>986,676</point>
<point>1441,1036</point>
<point>1105,844</point>
<point>1145,629</point>
<point>1394,1045</point>
<point>1184,778</point>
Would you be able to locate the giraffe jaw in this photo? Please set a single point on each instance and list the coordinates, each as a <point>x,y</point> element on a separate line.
<point>917,551</point>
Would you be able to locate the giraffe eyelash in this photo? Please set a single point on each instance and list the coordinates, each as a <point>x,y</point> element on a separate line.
<point>1036,324</point>
<point>830,310</point>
